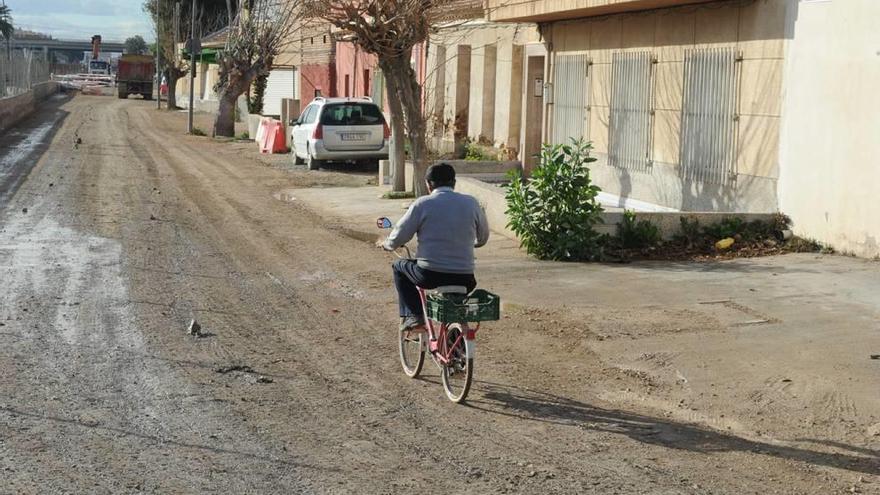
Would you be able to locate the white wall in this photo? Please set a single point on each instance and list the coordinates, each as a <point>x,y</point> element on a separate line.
<point>830,144</point>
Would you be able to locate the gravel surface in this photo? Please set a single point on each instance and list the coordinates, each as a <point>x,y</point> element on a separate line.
<point>291,384</point>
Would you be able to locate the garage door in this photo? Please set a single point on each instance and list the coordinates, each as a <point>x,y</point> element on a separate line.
<point>281,84</point>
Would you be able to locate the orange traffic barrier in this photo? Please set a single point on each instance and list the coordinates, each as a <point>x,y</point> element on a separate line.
<point>272,137</point>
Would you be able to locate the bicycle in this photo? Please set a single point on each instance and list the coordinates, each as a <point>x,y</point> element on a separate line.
<point>447,335</point>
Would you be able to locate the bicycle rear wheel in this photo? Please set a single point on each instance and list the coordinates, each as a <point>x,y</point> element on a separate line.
<point>458,373</point>
<point>412,352</point>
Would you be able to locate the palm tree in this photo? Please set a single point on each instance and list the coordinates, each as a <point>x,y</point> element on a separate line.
<point>6,28</point>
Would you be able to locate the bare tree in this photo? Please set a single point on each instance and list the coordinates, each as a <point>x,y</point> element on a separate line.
<point>391,29</point>
<point>172,17</point>
<point>260,31</point>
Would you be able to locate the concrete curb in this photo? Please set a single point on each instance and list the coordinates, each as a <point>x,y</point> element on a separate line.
<point>15,108</point>
<point>669,223</point>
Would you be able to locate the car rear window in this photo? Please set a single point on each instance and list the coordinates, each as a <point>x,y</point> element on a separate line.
<point>352,114</point>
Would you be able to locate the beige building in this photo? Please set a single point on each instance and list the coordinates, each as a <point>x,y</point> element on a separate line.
<point>473,85</point>
<point>710,105</point>
<point>830,139</point>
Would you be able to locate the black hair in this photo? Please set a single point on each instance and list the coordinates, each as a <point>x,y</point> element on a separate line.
<point>440,174</point>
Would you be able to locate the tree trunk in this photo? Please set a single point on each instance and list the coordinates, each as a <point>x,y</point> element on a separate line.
<point>398,133</point>
<point>171,77</point>
<point>224,124</point>
<point>402,77</point>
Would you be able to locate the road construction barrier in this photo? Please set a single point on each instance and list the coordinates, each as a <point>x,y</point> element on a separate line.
<point>258,136</point>
<point>271,137</point>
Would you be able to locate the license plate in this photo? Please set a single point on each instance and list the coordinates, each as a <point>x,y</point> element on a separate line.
<point>353,136</point>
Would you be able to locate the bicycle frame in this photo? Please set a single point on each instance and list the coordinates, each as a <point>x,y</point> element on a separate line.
<point>437,345</point>
<point>440,351</point>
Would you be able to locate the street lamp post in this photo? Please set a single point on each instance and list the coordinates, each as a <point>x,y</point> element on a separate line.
<point>192,66</point>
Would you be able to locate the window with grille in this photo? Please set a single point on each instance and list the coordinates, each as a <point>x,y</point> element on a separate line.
<point>630,120</point>
<point>570,90</point>
<point>707,115</point>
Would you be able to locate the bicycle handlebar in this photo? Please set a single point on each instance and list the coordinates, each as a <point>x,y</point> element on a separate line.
<point>409,255</point>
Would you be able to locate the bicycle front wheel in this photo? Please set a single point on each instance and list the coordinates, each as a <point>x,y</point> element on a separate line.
<point>458,373</point>
<point>412,352</point>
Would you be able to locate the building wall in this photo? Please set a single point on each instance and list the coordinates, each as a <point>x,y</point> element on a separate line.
<point>830,178</point>
<point>492,86</point>
<point>316,77</point>
<point>312,50</point>
<point>756,30</point>
<point>547,10</point>
<point>355,68</point>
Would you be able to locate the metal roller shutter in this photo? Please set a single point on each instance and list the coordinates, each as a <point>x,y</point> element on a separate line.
<point>281,84</point>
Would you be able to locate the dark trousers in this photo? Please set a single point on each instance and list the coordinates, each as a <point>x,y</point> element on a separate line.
<point>408,275</point>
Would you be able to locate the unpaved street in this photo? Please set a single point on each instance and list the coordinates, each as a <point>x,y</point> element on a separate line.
<point>294,385</point>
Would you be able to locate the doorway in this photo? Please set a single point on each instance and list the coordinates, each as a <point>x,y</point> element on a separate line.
<point>533,106</point>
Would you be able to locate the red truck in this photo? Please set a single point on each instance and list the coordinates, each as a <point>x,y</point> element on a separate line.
<point>134,76</point>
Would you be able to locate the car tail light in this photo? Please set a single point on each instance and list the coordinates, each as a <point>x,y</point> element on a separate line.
<point>387,130</point>
<point>319,132</point>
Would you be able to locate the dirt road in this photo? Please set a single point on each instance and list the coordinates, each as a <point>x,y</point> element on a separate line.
<point>294,386</point>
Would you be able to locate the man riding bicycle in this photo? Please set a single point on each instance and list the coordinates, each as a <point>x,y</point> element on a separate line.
<point>448,225</point>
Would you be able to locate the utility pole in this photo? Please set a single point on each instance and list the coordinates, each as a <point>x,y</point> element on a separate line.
<point>158,59</point>
<point>192,66</point>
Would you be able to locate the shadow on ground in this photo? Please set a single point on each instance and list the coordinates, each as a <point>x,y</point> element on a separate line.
<point>525,404</point>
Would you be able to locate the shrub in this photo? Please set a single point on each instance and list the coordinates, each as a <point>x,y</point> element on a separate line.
<point>553,212</point>
<point>637,235</point>
<point>198,132</point>
<point>756,230</point>
<point>398,195</point>
<point>690,234</point>
<point>255,99</point>
<point>481,150</point>
<point>727,227</point>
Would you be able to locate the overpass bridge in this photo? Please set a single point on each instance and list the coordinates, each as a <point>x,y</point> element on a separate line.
<point>72,50</point>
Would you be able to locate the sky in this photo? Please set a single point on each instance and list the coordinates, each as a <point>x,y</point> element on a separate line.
<point>114,20</point>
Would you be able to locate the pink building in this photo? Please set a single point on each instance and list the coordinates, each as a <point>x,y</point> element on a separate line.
<point>337,68</point>
<point>355,70</point>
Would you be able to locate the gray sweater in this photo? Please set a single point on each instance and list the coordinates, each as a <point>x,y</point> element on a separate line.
<point>449,226</point>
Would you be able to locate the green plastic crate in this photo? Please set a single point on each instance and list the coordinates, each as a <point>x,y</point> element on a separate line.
<point>479,305</point>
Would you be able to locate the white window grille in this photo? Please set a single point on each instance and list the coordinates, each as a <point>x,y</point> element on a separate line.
<point>708,114</point>
<point>629,136</point>
<point>570,98</point>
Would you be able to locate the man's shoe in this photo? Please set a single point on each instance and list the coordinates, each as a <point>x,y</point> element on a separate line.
<point>412,323</point>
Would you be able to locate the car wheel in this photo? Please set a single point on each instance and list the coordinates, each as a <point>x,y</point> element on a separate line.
<point>296,159</point>
<point>314,164</point>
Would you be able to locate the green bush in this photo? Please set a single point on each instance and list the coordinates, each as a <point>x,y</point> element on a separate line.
<point>477,151</point>
<point>637,235</point>
<point>473,152</point>
<point>553,212</point>
<point>756,230</point>
<point>727,227</point>
<point>690,234</point>
<point>198,132</point>
<point>255,99</point>
<point>398,195</point>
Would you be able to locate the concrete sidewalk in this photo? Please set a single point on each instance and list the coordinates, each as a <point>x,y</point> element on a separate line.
<point>739,342</point>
